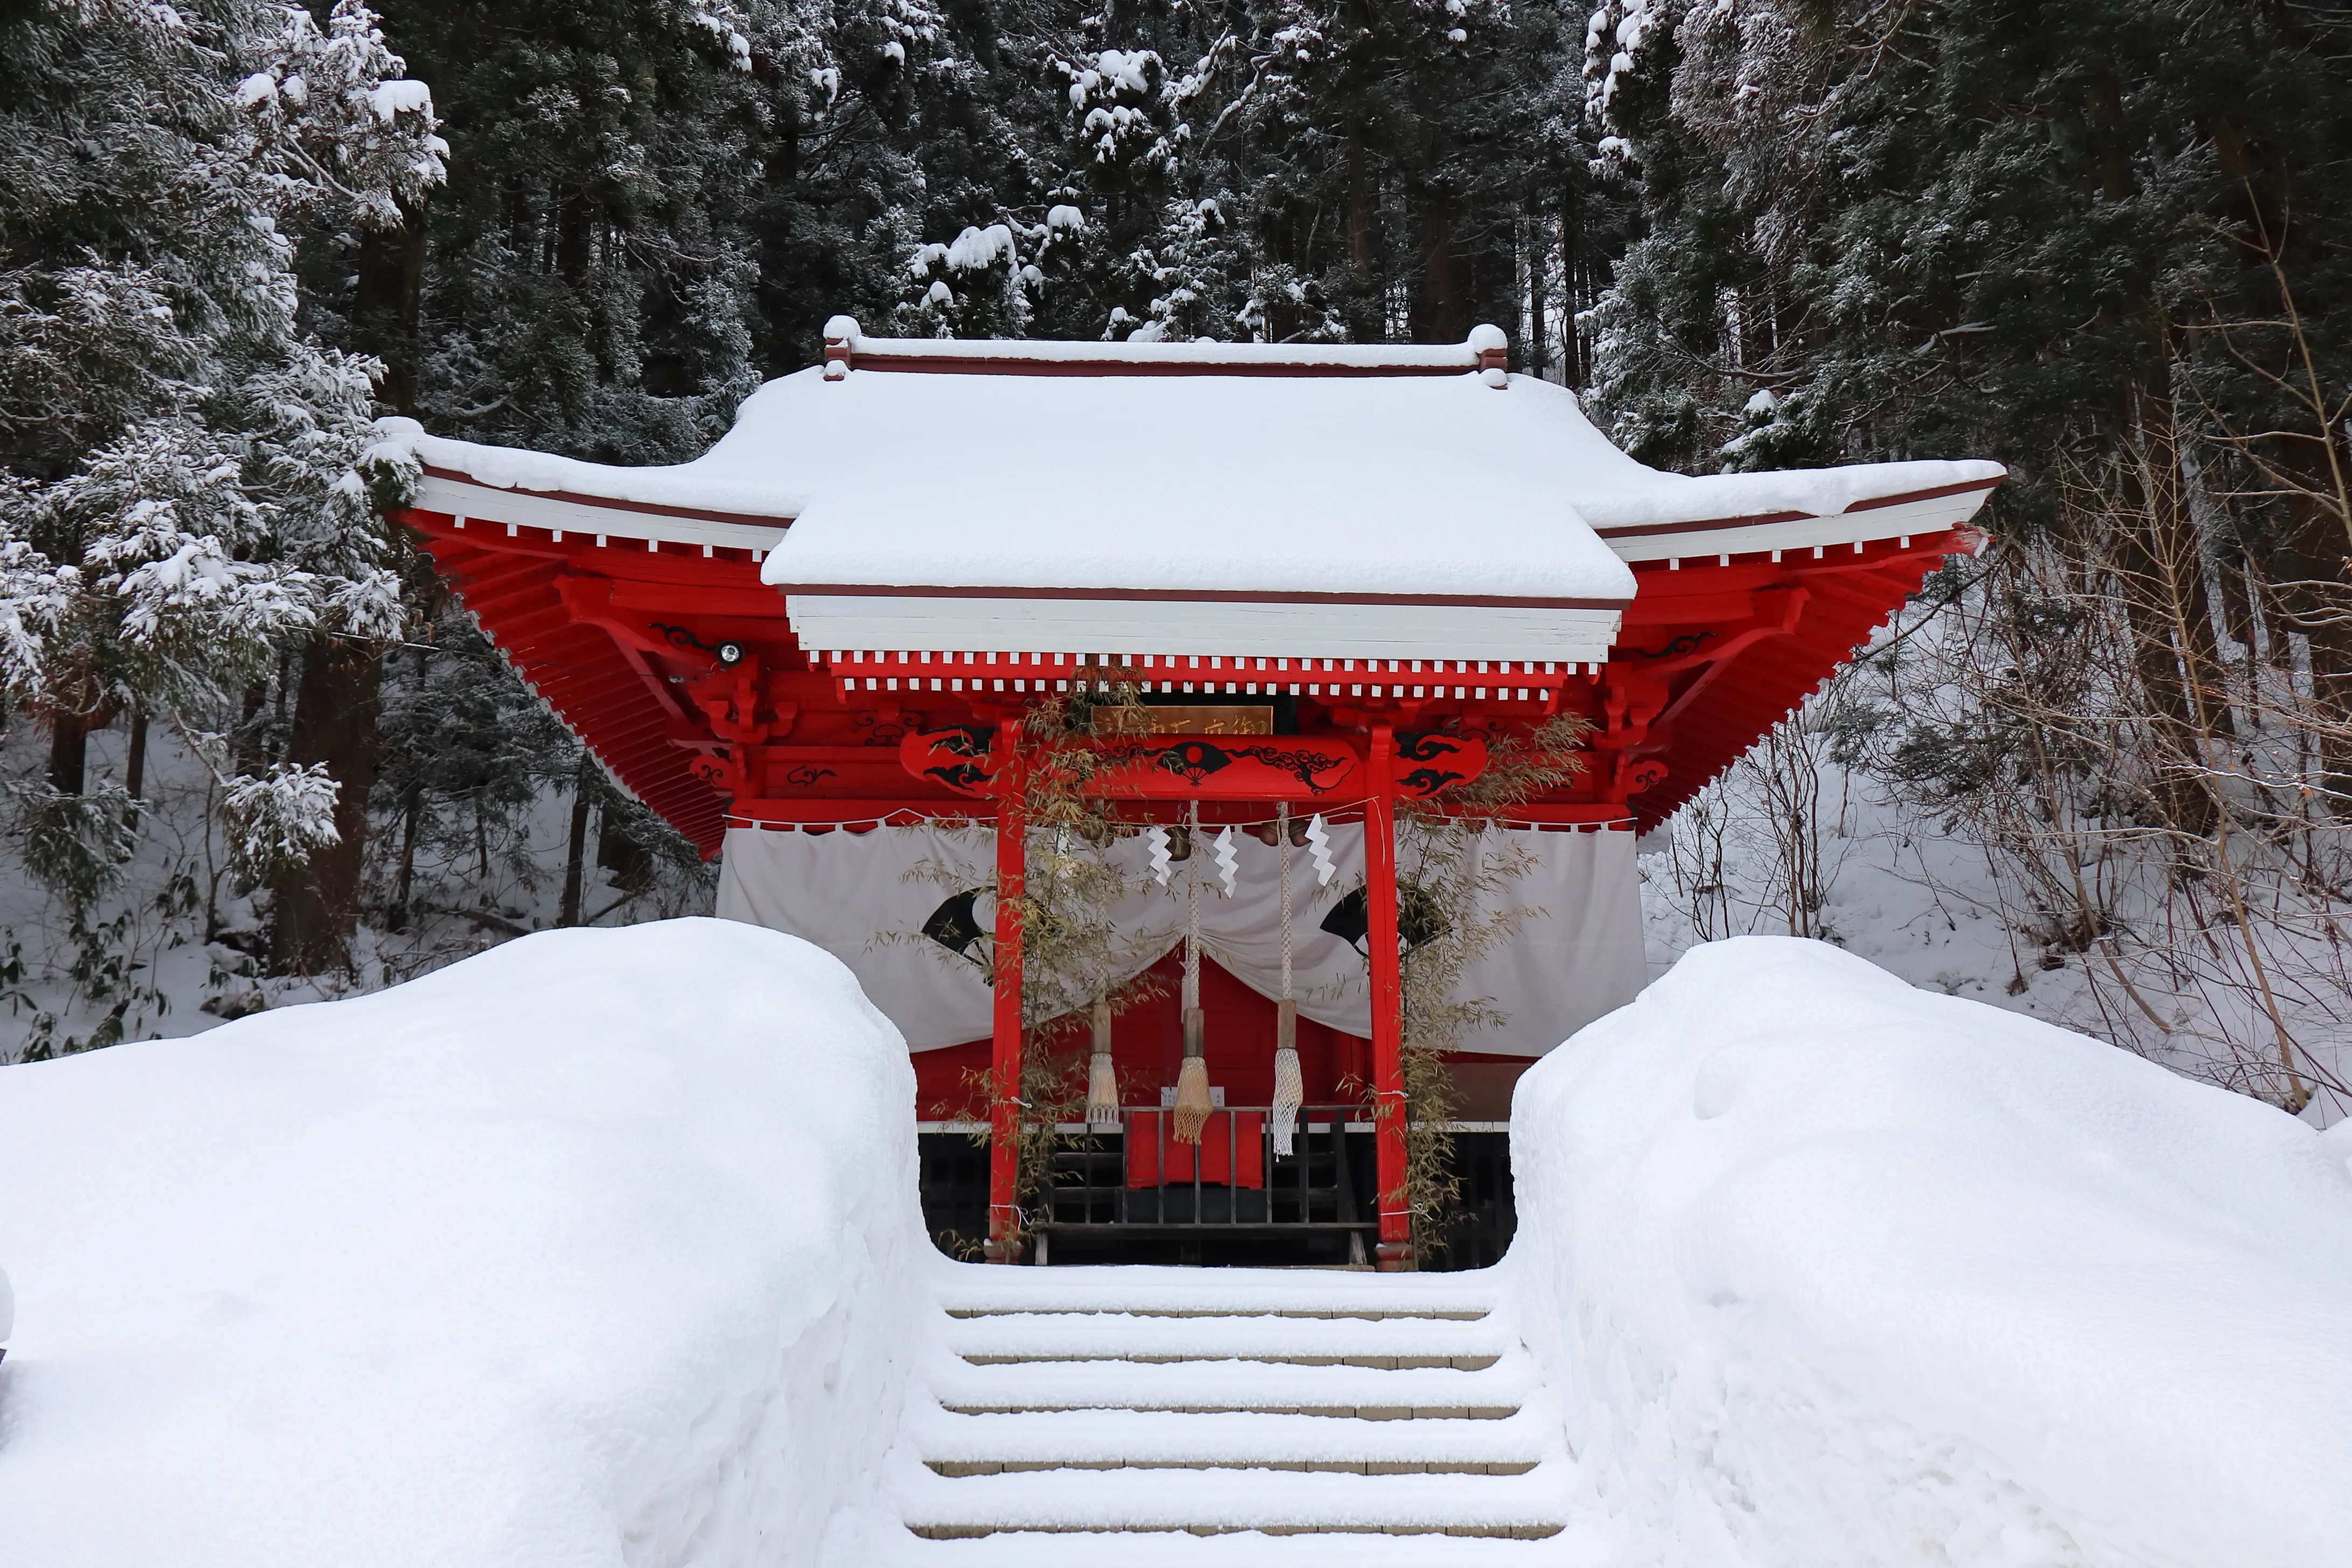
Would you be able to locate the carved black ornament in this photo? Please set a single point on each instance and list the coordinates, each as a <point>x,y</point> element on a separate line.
<point>1193,761</point>
<point>1303,765</point>
<point>727,651</point>
<point>1687,643</point>
<point>1432,749</point>
<point>970,743</point>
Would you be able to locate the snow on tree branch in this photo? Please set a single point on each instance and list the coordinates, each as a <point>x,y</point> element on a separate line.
<point>336,110</point>
<point>280,818</point>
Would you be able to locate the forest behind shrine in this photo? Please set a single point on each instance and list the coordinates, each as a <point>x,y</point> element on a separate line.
<point>2107,243</point>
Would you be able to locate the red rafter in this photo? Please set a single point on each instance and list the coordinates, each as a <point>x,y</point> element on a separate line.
<point>622,641</point>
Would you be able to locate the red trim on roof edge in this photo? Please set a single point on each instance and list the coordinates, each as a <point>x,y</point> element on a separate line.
<point>755,519</point>
<point>1940,490</point>
<point>1643,530</point>
<point>1759,519</point>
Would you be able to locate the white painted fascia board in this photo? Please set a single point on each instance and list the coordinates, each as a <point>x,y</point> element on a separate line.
<point>527,509</point>
<point>945,625</point>
<point>1933,515</point>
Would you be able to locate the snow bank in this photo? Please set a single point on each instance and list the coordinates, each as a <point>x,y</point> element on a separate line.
<point>599,1247</point>
<point>1830,1270</point>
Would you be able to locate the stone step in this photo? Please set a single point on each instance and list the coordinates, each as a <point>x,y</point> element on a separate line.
<point>1374,1394</point>
<point>1218,1292</point>
<point>1573,1548</point>
<point>1523,1506</point>
<point>1269,1358</point>
<point>1153,1440</point>
<point>1482,1531</point>
<point>962,1468</point>
<point>1386,1343</point>
<point>1265,1406</point>
<point>1146,1309</point>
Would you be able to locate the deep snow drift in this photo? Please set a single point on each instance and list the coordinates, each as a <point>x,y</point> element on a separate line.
<point>1826,1269</point>
<point>601,1247</point>
<point>604,1248</point>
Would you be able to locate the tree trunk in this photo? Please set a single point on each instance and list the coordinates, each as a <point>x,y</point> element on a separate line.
<point>574,238</point>
<point>69,752</point>
<point>391,286</point>
<point>244,743</point>
<point>335,711</point>
<point>78,712</point>
<point>1364,293</point>
<point>1539,345</point>
<point>2170,616</point>
<point>575,852</point>
<point>403,898</point>
<point>2314,600</point>
<point>2331,690</point>
<point>2309,579</point>
<point>134,771</point>
<point>1574,372</point>
<point>1440,306</point>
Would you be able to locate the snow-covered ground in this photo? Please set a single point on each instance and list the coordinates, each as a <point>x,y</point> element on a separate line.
<point>604,1248</point>
<point>1904,890</point>
<point>599,1247</point>
<point>178,944</point>
<point>1828,1269</point>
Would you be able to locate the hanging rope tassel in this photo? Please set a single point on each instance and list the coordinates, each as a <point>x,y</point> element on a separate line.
<point>1102,1081</point>
<point>1289,1084</point>
<point>1193,1102</point>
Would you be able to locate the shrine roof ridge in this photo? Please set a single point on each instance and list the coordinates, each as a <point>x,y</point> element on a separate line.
<point>847,349</point>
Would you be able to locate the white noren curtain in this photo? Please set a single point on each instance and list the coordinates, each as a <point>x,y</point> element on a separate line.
<point>1577,957</point>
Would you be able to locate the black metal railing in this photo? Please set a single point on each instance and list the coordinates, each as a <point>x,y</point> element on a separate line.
<point>1138,1176</point>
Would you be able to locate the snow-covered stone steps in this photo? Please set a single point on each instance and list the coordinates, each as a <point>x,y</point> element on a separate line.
<point>1388,1343</point>
<point>1273,1410</point>
<point>1215,1501</point>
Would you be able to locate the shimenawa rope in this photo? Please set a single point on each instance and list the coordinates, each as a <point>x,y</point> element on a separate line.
<point>1192,1106</point>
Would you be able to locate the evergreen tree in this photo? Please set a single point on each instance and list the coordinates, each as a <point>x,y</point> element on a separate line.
<point>183,496</point>
<point>2052,235</point>
<point>1959,226</point>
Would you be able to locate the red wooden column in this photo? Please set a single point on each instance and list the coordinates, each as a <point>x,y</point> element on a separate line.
<point>1388,1000</point>
<point>1012,859</point>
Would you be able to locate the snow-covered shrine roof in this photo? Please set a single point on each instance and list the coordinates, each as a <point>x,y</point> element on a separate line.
<point>1241,499</point>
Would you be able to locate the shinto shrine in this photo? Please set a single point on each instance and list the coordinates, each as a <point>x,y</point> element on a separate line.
<point>1336,575</point>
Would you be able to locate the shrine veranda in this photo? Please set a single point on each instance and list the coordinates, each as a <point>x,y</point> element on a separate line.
<point>1331,577</point>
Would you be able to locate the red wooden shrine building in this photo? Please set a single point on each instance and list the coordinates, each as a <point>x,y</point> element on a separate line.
<point>1336,573</point>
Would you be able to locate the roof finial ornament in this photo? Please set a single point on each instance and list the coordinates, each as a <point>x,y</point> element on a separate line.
<point>840,347</point>
<point>1493,351</point>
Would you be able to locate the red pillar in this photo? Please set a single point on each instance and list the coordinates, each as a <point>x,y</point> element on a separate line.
<point>1006,1056</point>
<point>1388,1000</point>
